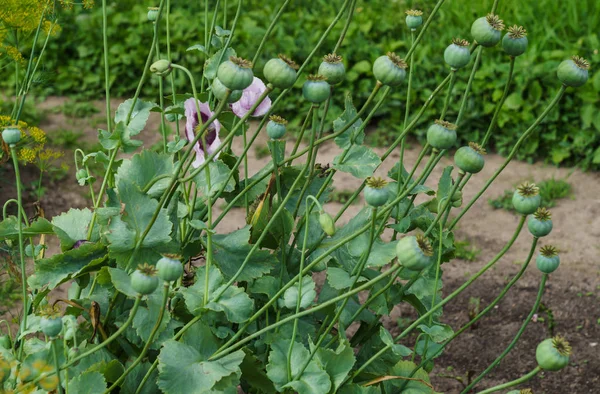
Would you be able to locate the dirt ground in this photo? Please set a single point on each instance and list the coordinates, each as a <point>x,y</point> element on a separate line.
<point>572,293</point>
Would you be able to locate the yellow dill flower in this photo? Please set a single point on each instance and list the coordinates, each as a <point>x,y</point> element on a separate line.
<point>14,54</point>
<point>49,154</point>
<point>26,154</point>
<point>38,135</point>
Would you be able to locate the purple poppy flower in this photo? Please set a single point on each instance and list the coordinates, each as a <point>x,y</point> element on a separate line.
<point>249,97</point>
<point>211,135</point>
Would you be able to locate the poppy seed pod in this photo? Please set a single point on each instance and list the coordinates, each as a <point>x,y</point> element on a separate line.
<point>390,69</point>
<point>236,73</point>
<point>281,72</point>
<point>457,54</point>
<point>333,69</point>
<point>515,41</point>
<point>414,19</point>
<point>573,72</point>
<point>487,30</point>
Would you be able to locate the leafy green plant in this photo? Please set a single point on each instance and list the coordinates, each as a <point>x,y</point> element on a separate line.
<point>161,299</point>
<point>550,190</point>
<point>465,250</point>
<point>77,109</point>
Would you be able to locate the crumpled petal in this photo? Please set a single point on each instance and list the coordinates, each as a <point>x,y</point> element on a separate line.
<point>250,96</point>
<point>212,133</point>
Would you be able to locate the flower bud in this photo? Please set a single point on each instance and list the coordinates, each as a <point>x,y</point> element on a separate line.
<point>152,14</point>
<point>11,135</point>
<point>81,176</point>
<point>161,67</point>
<point>414,19</point>
<point>327,223</point>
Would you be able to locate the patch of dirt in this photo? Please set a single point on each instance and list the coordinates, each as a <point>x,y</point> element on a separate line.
<point>572,293</point>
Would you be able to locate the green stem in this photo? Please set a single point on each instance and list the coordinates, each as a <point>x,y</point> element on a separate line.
<point>268,32</point>
<point>515,382</point>
<point>106,74</point>
<point>148,343</point>
<point>20,219</point>
<point>445,300</point>
<point>463,103</point>
<point>499,359</point>
<point>345,28</point>
<point>111,162</point>
<point>512,153</point>
<point>492,125</point>
<point>161,101</point>
<point>448,94</point>
<point>222,352</point>
<point>56,366</point>
<point>447,204</point>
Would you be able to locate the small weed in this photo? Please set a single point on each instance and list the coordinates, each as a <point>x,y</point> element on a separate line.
<point>474,305</point>
<point>550,323</point>
<point>342,196</point>
<point>261,151</point>
<point>66,139</point>
<point>464,250</point>
<point>550,190</point>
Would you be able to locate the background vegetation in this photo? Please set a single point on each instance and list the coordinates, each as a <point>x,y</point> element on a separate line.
<point>570,136</point>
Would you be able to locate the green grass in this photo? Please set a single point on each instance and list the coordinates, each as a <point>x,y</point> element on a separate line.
<point>464,250</point>
<point>77,109</point>
<point>551,190</point>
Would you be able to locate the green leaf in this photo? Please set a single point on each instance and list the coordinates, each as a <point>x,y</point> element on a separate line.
<point>88,383</point>
<point>344,139</point>
<point>360,162</point>
<point>404,369</point>
<point>219,172</point>
<point>150,313</point>
<point>397,348</point>
<point>72,226</point>
<point>437,332</point>
<point>120,137</point>
<point>9,228</point>
<point>339,279</point>
<point>183,370</point>
<point>337,363</point>
<point>139,116</point>
<point>60,267</point>
<point>230,251</point>
<point>143,167</point>
<point>125,231</point>
<point>289,175</point>
<point>122,282</point>
<point>444,184</point>
<point>514,101</point>
<point>313,380</point>
<point>213,63</point>
<point>234,302</point>
<point>197,47</point>
<point>290,296</point>
<point>132,381</point>
<point>253,372</point>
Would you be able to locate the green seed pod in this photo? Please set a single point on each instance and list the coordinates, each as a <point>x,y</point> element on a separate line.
<point>333,69</point>
<point>441,134</point>
<point>540,224</point>
<point>414,19</point>
<point>327,223</point>
<point>281,72</point>
<point>161,67</point>
<point>526,199</point>
<point>470,158</point>
<point>51,326</point>
<point>236,73</point>
<point>276,127</point>
<point>457,54</point>
<point>390,69</point>
<point>515,41</point>
<point>376,193</point>
<point>573,72</point>
<point>552,354</point>
<point>152,14</point>
<point>144,280</point>
<point>11,135</point>
<point>316,89</point>
<point>414,253</point>
<point>169,268</point>
<point>548,260</point>
<point>220,91</point>
<point>487,30</point>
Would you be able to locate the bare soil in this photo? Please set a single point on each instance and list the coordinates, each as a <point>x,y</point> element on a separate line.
<point>572,293</point>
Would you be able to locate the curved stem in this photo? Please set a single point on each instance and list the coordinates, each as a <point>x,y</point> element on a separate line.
<point>515,382</point>
<point>515,339</point>
<point>512,153</point>
<point>448,94</point>
<point>148,342</point>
